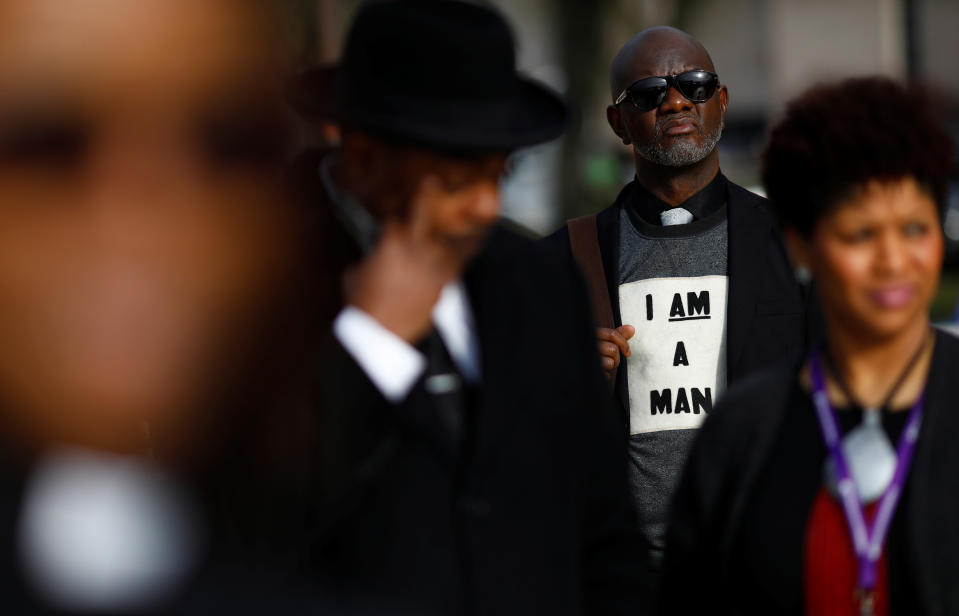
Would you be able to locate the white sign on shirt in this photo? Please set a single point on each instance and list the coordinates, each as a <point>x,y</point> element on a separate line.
<point>677,367</point>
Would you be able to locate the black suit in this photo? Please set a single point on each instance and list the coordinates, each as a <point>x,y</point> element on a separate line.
<point>531,515</point>
<point>733,450</point>
<point>765,308</point>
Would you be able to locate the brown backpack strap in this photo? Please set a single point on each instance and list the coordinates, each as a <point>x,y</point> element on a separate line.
<point>584,241</point>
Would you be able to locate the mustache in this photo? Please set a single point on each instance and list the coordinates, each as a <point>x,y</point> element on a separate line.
<point>664,123</point>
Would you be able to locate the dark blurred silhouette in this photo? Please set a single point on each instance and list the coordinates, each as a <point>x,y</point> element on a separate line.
<point>148,259</point>
<point>802,493</point>
<point>470,459</point>
<point>680,229</point>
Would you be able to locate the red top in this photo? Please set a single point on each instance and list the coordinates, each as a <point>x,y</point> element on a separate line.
<point>830,568</point>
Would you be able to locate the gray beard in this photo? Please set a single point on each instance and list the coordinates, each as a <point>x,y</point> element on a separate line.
<point>683,153</point>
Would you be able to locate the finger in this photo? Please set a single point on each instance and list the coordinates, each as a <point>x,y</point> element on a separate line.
<point>608,349</point>
<point>611,360</point>
<point>604,333</point>
<point>626,331</point>
<point>616,338</point>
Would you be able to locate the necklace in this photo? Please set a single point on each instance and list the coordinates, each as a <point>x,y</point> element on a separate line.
<point>867,537</point>
<point>871,457</point>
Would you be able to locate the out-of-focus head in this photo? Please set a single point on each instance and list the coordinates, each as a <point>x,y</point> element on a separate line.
<point>857,173</point>
<point>459,190</point>
<point>676,123</point>
<point>429,98</point>
<point>142,228</point>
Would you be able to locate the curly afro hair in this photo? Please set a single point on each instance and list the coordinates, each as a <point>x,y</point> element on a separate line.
<point>837,137</point>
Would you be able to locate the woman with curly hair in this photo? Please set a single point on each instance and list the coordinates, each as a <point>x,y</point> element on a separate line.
<point>830,484</point>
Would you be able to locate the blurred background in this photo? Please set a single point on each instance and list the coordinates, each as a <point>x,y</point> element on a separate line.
<point>765,51</point>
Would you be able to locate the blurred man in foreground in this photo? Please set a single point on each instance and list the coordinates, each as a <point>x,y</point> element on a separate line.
<point>145,252</point>
<point>471,461</point>
<point>687,266</point>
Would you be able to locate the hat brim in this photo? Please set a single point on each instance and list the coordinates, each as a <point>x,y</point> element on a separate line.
<point>535,115</point>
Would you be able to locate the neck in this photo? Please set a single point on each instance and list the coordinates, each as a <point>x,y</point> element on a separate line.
<point>674,185</point>
<point>872,367</point>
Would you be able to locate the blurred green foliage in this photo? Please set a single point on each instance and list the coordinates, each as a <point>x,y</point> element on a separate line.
<point>944,304</point>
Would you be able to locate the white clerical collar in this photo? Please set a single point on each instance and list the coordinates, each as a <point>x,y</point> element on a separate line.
<point>104,533</point>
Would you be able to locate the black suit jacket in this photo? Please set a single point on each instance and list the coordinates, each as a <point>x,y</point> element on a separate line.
<point>733,446</point>
<point>532,516</point>
<point>765,307</point>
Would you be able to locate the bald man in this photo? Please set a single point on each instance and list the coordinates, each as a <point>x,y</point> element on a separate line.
<point>699,287</point>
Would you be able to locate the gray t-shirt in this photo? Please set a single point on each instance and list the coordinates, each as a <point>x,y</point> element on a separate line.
<point>672,289</point>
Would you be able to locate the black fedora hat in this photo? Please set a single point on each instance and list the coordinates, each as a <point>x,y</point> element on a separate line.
<point>436,72</point>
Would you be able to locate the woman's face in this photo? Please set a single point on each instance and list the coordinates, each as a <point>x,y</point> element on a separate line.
<point>876,259</point>
<point>142,228</point>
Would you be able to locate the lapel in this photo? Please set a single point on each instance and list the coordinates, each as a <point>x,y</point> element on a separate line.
<point>420,413</point>
<point>932,494</point>
<point>748,243</point>
<point>502,333</point>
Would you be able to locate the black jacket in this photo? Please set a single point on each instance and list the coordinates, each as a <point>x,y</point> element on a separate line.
<point>765,306</point>
<point>732,447</point>
<point>533,515</point>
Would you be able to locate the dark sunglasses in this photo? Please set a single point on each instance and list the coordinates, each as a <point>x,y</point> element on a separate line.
<point>650,92</point>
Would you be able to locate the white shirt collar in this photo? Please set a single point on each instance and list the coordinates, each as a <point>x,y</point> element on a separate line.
<point>453,318</point>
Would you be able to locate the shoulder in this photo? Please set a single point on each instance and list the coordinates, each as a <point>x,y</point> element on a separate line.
<point>947,345</point>
<point>730,446</point>
<point>751,408</point>
<point>754,390</point>
<point>756,240</point>
<point>744,197</point>
<point>529,274</point>
<point>512,254</point>
<point>558,242</point>
<point>747,205</point>
<point>942,382</point>
<point>508,241</point>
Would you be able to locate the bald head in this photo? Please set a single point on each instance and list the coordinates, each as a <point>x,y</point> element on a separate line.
<point>661,50</point>
<point>675,125</point>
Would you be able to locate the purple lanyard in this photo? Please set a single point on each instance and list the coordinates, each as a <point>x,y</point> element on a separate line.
<point>867,541</point>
